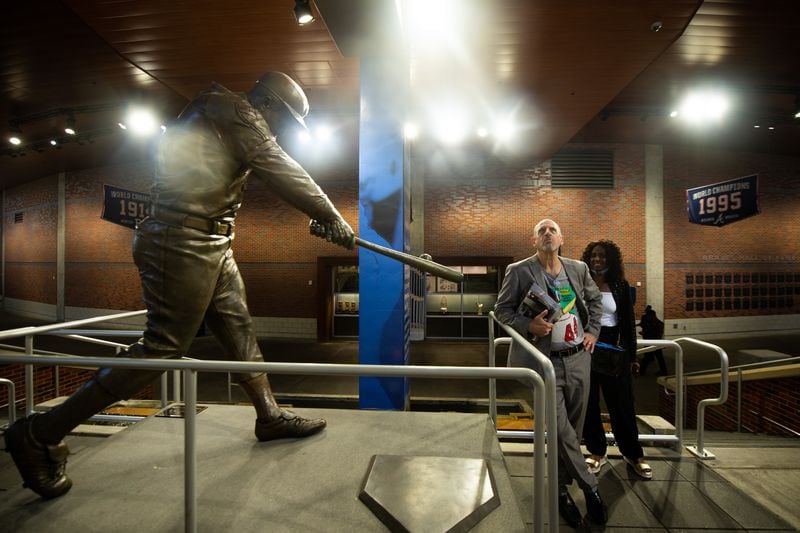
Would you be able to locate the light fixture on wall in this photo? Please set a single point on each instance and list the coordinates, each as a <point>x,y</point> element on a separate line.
<point>19,147</point>
<point>16,134</point>
<point>797,106</point>
<point>302,12</point>
<point>70,129</point>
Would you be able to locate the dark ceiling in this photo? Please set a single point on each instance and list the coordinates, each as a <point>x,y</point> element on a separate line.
<point>583,70</point>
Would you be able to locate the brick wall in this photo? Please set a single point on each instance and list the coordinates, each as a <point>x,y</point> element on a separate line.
<point>474,205</point>
<point>70,379</point>
<point>768,243</point>
<point>769,406</point>
<point>30,245</point>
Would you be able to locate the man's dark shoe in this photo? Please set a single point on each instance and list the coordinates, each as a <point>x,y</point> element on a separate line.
<point>288,425</point>
<point>595,507</point>
<point>42,466</point>
<point>568,510</point>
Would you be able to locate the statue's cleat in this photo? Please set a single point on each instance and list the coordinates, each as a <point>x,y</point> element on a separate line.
<point>288,425</point>
<point>42,466</point>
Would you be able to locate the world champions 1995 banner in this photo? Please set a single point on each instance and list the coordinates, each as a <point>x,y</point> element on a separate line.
<point>123,207</point>
<point>724,202</point>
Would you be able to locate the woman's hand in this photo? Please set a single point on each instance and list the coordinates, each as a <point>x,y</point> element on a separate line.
<point>589,341</point>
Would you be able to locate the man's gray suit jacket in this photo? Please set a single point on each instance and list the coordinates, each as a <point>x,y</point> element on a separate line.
<point>518,279</point>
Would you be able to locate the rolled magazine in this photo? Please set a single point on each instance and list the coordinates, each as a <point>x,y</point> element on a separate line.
<point>537,300</point>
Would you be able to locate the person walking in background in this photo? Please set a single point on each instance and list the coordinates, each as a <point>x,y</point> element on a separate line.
<point>652,328</point>
<point>574,304</point>
<point>613,369</point>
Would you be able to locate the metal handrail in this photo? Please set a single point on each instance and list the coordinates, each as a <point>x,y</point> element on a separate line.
<point>38,330</point>
<point>543,400</point>
<point>676,440</point>
<point>680,391</point>
<point>747,366</point>
<point>190,368</point>
<point>702,404</point>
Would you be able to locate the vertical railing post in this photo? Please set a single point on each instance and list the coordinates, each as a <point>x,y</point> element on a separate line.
<point>698,449</point>
<point>739,400</point>
<point>164,390</point>
<point>492,384</point>
<point>190,451</point>
<point>30,385</point>
<point>680,399</point>
<point>12,400</point>
<point>176,386</point>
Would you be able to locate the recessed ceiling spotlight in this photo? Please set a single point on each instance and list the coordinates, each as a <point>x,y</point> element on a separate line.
<point>70,129</point>
<point>302,12</point>
<point>16,135</point>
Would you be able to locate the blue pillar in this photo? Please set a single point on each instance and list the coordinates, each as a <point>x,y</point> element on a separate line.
<point>383,219</point>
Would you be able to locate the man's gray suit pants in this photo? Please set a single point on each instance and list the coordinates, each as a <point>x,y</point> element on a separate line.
<point>572,392</point>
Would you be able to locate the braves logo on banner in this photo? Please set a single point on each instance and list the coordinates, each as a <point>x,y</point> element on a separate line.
<point>720,203</point>
<point>123,207</point>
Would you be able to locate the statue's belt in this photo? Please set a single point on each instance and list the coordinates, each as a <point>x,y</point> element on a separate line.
<point>212,226</point>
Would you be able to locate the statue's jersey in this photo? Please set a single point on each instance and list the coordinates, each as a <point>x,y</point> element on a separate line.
<point>204,160</point>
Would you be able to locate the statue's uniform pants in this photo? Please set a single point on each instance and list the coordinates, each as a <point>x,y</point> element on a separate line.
<point>186,275</point>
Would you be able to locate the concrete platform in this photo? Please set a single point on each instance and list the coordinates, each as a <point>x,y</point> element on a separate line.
<point>133,481</point>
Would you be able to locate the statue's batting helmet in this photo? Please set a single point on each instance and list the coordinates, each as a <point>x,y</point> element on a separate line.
<point>279,87</point>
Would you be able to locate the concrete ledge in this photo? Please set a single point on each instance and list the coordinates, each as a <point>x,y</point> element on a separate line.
<point>656,424</point>
<point>773,372</point>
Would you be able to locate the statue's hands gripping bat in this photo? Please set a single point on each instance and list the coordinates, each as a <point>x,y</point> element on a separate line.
<point>339,232</point>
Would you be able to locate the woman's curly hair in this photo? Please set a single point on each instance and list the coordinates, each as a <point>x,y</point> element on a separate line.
<point>616,270</point>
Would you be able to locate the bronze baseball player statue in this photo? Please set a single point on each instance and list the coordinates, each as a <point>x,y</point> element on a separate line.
<point>183,251</point>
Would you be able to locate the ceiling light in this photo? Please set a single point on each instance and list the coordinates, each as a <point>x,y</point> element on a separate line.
<point>673,113</point>
<point>302,12</point>
<point>704,107</point>
<point>482,132</point>
<point>141,122</point>
<point>70,129</point>
<point>16,135</point>
<point>53,142</point>
<point>410,131</point>
<point>122,126</point>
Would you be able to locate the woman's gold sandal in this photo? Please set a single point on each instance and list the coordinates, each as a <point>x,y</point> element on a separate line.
<point>643,470</point>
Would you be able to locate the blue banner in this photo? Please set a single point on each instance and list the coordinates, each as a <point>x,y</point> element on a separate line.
<point>123,207</point>
<point>724,202</point>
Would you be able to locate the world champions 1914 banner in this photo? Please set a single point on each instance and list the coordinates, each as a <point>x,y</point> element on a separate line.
<point>724,202</point>
<point>123,207</point>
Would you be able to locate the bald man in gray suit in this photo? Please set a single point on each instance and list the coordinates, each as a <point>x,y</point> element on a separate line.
<point>568,341</point>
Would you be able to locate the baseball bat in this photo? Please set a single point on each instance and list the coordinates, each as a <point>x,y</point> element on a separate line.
<point>426,265</point>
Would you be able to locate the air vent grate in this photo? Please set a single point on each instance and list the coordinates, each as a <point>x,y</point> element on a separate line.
<point>583,170</point>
